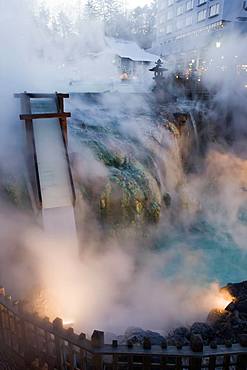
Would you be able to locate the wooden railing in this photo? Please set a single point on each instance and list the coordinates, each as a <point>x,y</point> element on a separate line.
<point>39,344</point>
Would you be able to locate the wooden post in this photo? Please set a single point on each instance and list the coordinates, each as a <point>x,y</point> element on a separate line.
<point>115,362</point>
<point>147,362</point>
<point>179,363</point>
<point>58,328</point>
<point>242,362</point>
<point>212,363</point>
<point>226,362</point>
<point>163,362</point>
<point>2,294</point>
<point>130,362</point>
<point>97,341</point>
<point>31,153</point>
<point>195,363</point>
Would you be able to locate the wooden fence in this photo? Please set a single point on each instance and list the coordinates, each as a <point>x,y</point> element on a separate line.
<point>39,344</point>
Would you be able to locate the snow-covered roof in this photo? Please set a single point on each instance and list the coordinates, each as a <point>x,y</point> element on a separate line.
<point>130,49</point>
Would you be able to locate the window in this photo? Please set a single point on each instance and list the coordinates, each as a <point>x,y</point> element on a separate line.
<point>202,15</point>
<point>188,20</point>
<point>180,24</point>
<point>180,10</point>
<point>214,10</point>
<point>169,28</point>
<point>200,2</point>
<point>189,5</point>
<point>170,2</point>
<point>169,14</point>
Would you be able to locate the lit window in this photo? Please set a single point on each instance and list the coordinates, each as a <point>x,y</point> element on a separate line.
<point>189,5</point>
<point>214,10</point>
<point>200,2</point>
<point>202,15</point>
<point>180,10</point>
<point>188,20</point>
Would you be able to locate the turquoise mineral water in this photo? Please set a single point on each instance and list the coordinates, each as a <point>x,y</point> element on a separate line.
<point>217,256</point>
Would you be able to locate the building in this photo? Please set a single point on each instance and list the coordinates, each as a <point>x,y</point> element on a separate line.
<point>132,61</point>
<point>115,61</point>
<point>185,28</point>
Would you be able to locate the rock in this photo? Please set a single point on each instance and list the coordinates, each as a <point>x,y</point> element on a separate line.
<point>196,343</point>
<point>205,330</point>
<point>241,306</point>
<point>147,343</point>
<point>138,335</point>
<point>237,290</point>
<point>164,344</point>
<point>231,307</point>
<point>213,317</point>
<point>179,335</point>
<point>243,340</point>
<point>213,345</point>
<point>228,343</point>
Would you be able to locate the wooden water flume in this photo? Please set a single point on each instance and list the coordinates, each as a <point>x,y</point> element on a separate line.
<point>49,172</point>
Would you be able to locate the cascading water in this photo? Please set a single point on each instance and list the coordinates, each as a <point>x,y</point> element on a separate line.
<point>193,226</point>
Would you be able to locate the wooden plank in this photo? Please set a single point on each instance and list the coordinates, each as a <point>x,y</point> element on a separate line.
<point>163,362</point>
<point>130,362</point>
<point>147,362</point>
<point>26,117</point>
<point>195,363</point>
<point>179,363</point>
<point>115,362</point>
<point>226,362</point>
<point>242,362</point>
<point>212,363</point>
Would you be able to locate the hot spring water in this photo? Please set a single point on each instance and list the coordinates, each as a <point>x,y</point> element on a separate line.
<point>220,258</point>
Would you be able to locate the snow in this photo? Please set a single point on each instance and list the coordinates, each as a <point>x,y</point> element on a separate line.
<point>130,49</point>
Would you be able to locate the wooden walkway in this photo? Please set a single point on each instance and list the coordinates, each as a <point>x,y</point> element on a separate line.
<point>43,345</point>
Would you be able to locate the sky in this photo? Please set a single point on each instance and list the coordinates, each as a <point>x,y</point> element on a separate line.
<point>134,3</point>
<point>56,4</point>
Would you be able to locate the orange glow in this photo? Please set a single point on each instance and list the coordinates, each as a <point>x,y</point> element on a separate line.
<point>68,323</point>
<point>223,300</point>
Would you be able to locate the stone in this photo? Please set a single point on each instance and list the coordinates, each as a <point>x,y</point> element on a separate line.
<point>213,345</point>
<point>147,343</point>
<point>243,340</point>
<point>196,343</point>
<point>237,290</point>
<point>241,306</point>
<point>138,335</point>
<point>204,329</point>
<point>181,335</point>
<point>164,344</point>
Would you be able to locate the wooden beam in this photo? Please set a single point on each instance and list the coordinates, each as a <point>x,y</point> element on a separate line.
<point>25,117</point>
<point>41,95</point>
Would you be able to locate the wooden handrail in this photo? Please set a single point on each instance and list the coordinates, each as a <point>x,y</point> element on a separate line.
<point>73,347</point>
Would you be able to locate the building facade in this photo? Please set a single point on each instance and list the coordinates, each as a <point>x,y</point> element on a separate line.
<point>186,27</point>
